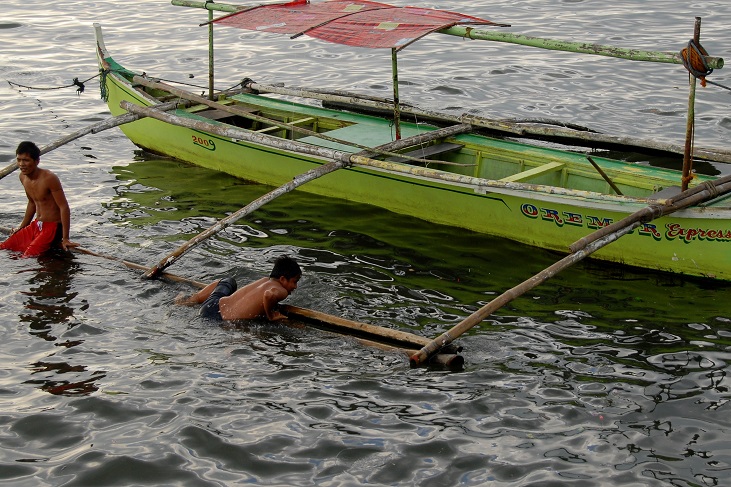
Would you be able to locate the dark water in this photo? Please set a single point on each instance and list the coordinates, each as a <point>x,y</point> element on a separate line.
<point>602,376</point>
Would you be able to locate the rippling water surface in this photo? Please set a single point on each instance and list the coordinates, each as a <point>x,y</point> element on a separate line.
<point>601,376</point>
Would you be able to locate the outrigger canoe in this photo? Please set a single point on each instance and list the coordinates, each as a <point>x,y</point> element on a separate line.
<point>457,171</point>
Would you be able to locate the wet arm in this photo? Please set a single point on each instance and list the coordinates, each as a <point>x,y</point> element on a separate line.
<point>271,298</point>
<point>30,211</point>
<point>63,205</point>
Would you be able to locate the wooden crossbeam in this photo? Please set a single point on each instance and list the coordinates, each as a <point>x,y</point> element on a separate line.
<point>536,171</point>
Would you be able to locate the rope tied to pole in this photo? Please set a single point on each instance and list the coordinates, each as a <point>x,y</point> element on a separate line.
<point>685,180</point>
<point>79,85</point>
<point>694,60</point>
<point>711,188</point>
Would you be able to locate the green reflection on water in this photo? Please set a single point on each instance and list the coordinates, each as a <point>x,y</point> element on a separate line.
<point>392,267</point>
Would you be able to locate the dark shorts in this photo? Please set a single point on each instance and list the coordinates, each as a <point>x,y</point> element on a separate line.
<point>210,309</point>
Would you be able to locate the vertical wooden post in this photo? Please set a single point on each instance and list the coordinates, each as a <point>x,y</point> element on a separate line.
<point>690,123</point>
<point>396,107</point>
<point>210,53</point>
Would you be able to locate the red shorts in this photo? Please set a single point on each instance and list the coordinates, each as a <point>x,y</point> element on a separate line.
<point>34,239</point>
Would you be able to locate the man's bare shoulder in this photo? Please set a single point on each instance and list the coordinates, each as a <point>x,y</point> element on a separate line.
<point>43,177</point>
<point>51,180</point>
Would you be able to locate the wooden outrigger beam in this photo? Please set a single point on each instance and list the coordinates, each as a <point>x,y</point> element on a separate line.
<point>94,128</point>
<point>505,126</point>
<point>234,110</point>
<point>581,249</point>
<point>488,35</point>
<point>376,336</point>
<point>479,184</point>
<point>297,181</point>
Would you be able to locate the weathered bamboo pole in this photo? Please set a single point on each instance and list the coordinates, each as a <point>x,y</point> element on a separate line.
<point>691,197</point>
<point>258,203</point>
<point>237,215</point>
<point>487,35</point>
<point>454,130</point>
<point>479,184</point>
<point>385,105</point>
<point>448,337</point>
<point>375,336</point>
<point>589,245</point>
<point>139,267</point>
<point>210,56</point>
<point>690,122</point>
<point>396,337</point>
<point>95,128</point>
<point>506,126</point>
<point>396,107</point>
<point>577,47</point>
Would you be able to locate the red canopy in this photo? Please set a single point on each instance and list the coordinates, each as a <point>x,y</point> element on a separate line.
<point>360,23</point>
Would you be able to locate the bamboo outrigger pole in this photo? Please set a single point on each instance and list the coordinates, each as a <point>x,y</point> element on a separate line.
<point>501,125</point>
<point>234,110</point>
<point>579,250</point>
<point>475,318</point>
<point>254,205</point>
<point>371,335</point>
<point>94,128</point>
<point>336,163</point>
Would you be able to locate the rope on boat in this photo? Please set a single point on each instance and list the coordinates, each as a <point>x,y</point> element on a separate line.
<point>694,60</point>
<point>79,85</point>
<point>102,74</point>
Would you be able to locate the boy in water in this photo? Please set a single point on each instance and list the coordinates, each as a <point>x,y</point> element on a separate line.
<point>222,301</point>
<point>46,201</point>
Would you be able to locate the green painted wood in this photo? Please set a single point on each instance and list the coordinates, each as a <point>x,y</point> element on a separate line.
<point>692,241</point>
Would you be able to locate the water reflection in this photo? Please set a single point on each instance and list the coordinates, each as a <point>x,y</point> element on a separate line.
<point>49,313</point>
<point>603,369</point>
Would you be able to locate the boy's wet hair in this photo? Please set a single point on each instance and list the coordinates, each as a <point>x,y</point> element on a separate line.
<point>28,147</point>
<point>286,267</point>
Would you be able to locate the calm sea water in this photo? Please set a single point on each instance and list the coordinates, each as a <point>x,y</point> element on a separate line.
<point>602,376</point>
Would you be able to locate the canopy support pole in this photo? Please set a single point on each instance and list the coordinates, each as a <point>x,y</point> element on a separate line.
<point>690,123</point>
<point>210,53</point>
<point>396,107</point>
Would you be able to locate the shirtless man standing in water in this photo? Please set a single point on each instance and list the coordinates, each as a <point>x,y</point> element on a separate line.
<point>258,299</point>
<point>46,201</point>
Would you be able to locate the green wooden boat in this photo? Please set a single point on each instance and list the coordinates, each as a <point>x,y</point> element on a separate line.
<point>458,171</point>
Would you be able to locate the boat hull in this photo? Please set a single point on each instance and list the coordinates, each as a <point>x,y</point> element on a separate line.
<point>693,241</point>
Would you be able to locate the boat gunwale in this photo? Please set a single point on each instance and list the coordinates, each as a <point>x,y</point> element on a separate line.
<point>479,185</point>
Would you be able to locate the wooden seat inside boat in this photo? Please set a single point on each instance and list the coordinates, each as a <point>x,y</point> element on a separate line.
<point>428,152</point>
<point>534,172</point>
